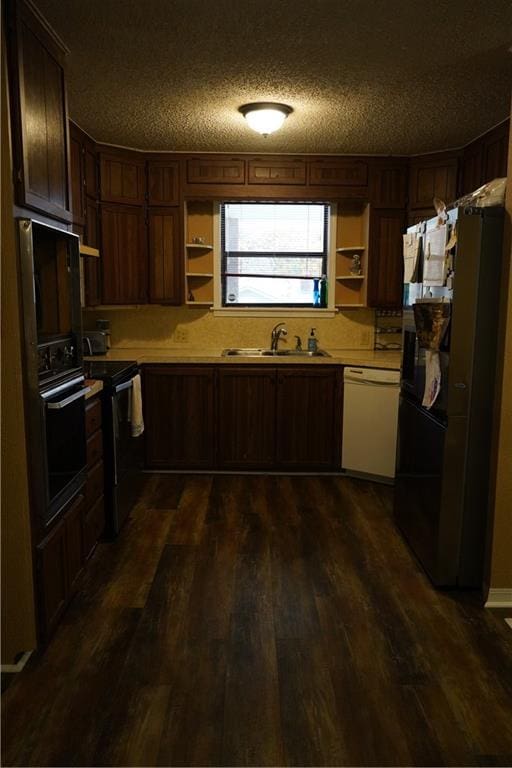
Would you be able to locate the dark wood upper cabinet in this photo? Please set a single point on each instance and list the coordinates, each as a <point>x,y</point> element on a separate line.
<point>179,416</point>
<point>163,182</point>
<point>309,418</point>
<point>388,184</point>
<point>123,255</point>
<point>122,178</point>
<point>39,113</point>
<point>338,173</point>
<point>432,177</point>
<point>276,171</point>
<point>246,411</point>
<point>485,159</point>
<point>495,152</point>
<point>165,273</point>
<point>215,171</point>
<point>385,258</point>
<point>90,169</point>
<point>77,175</point>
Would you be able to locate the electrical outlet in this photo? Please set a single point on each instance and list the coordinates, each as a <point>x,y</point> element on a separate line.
<point>365,338</point>
<point>181,335</point>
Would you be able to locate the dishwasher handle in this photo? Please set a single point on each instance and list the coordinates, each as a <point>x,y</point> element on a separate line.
<point>380,377</point>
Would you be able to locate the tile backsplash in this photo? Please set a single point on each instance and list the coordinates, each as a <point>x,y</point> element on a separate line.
<point>184,327</point>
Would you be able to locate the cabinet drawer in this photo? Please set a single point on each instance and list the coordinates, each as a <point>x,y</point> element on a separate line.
<point>94,448</point>
<point>338,173</point>
<point>94,485</point>
<point>92,416</point>
<point>223,171</point>
<point>94,525</point>
<point>277,172</point>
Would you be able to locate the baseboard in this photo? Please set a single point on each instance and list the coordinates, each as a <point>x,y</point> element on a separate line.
<point>499,598</point>
<point>12,668</point>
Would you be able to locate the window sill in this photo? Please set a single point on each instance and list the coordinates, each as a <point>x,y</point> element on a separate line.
<point>272,312</point>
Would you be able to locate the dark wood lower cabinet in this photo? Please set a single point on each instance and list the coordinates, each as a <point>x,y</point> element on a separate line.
<point>60,562</point>
<point>243,417</point>
<point>309,418</point>
<point>179,416</point>
<point>246,411</point>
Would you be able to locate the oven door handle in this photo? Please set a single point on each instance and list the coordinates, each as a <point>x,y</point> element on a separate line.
<point>68,400</point>
<point>122,387</point>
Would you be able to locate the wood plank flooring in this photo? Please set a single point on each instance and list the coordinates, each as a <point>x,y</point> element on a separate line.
<point>249,620</point>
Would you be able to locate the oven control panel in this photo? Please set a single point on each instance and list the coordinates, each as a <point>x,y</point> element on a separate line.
<point>55,357</point>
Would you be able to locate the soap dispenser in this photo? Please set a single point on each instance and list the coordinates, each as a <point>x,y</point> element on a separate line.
<point>312,342</point>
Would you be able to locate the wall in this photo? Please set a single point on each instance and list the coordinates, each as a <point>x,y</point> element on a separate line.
<point>18,619</point>
<point>501,551</point>
<point>161,327</point>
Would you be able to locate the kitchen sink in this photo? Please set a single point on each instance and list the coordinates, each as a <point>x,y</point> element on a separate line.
<point>247,352</point>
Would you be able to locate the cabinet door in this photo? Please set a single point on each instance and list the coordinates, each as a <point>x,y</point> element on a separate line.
<point>309,418</point>
<point>75,542</point>
<point>40,130</point>
<point>122,178</point>
<point>77,176</point>
<point>472,167</point>
<point>179,416</point>
<point>495,153</point>
<point>163,182</point>
<point>432,178</point>
<point>123,255</point>
<point>246,409</point>
<point>52,571</point>
<point>90,169</point>
<point>385,258</point>
<point>164,256</point>
<point>388,185</point>
<point>92,276</point>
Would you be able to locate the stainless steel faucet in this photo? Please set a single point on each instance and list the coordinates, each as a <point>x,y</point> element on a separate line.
<point>278,331</point>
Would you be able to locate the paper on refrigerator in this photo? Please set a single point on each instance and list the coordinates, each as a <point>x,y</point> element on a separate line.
<point>435,261</point>
<point>432,378</point>
<point>411,253</point>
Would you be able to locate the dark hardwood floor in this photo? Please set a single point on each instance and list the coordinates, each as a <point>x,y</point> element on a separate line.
<point>245,620</point>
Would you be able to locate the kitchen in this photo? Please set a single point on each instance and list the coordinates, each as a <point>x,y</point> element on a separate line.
<point>159,294</point>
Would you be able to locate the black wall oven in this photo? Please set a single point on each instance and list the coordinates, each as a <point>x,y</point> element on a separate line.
<point>54,378</point>
<point>63,422</point>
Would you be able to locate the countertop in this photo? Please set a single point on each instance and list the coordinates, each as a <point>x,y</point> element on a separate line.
<point>360,357</point>
<point>95,387</point>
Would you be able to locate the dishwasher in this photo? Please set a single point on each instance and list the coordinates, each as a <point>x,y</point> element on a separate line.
<point>370,422</point>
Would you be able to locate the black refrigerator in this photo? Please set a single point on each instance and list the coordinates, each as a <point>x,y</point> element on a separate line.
<point>443,451</point>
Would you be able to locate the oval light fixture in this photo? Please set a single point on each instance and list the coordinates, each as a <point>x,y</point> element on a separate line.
<point>265,116</point>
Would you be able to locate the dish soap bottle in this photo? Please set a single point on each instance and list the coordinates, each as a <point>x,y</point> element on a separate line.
<point>316,292</point>
<point>312,342</point>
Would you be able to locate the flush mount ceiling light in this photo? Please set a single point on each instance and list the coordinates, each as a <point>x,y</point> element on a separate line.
<point>265,116</point>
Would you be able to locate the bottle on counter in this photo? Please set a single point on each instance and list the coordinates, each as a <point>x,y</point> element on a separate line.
<point>316,292</point>
<point>312,342</point>
<point>323,291</point>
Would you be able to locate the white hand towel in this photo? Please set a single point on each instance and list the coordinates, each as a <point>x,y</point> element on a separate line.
<point>136,407</point>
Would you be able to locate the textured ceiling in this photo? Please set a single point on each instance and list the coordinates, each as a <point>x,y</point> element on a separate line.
<point>363,76</point>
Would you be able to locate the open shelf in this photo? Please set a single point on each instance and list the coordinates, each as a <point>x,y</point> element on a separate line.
<point>350,277</point>
<point>199,256</point>
<point>352,223</point>
<point>199,274</point>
